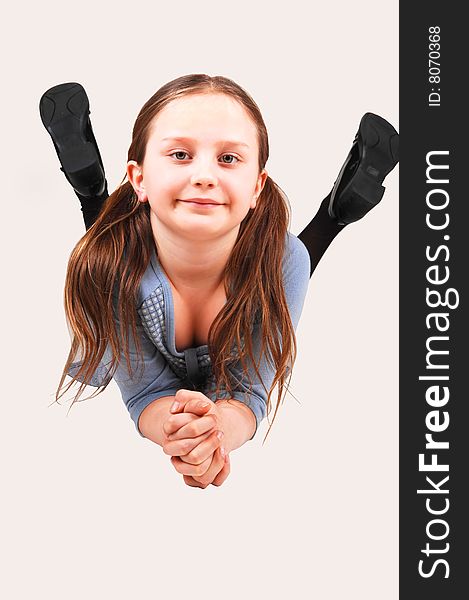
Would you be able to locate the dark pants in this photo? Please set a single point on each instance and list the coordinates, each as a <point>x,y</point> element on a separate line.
<point>316,236</point>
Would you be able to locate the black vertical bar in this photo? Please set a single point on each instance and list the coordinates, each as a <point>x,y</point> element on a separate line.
<point>434,210</point>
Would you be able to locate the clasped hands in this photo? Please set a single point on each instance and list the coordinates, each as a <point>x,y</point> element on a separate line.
<point>194,439</point>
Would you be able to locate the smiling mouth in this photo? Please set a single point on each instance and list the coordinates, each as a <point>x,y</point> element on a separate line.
<point>201,203</point>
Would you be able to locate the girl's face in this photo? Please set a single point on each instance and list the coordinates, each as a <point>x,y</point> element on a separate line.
<point>200,146</point>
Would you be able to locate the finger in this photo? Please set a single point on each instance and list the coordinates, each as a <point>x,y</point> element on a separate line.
<point>204,449</point>
<point>196,427</point>
<point>223,474</point>
<point>217,465</point>
<point>199,406</point>
<point>192,482</point>
<point>182,397</point>
<point>184,447</point>
<point>213,470</point>
<point>188,469</point>
<point>175,422</point>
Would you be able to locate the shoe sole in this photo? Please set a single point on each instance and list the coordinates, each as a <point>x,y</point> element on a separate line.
<point>374,133</point>
<point>64,111</point>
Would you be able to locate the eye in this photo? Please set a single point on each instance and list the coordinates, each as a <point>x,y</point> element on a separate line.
<point>223,155</point>
<point>231,156</point>
<point>178,152</point>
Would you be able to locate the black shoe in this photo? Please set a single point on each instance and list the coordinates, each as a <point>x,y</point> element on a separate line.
<point>374,153</point>
<point>64,112</point>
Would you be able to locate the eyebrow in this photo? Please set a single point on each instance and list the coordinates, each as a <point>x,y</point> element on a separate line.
<point>188,139</point>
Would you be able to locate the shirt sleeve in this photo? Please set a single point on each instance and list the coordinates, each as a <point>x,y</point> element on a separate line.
<point>152,377</point>
<point>296,274</point>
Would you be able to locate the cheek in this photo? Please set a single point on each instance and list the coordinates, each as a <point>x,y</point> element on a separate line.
<point>161,182</point>
<point>247,192</point>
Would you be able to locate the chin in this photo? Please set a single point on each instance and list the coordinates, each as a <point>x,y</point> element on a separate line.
<point>194,229</point>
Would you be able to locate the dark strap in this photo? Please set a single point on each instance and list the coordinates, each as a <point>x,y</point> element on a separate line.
<point>192,365</point>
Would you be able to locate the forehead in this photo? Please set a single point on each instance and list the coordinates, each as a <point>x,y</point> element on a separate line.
<point>205,117</point>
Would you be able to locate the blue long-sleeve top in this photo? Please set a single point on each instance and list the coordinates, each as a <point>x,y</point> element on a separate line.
<point>166,370</point>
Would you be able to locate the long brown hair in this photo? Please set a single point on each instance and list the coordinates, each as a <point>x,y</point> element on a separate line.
<point>106,266</point>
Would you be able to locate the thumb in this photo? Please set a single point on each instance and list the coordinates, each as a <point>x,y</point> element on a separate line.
<point>196,399</point>
<point>199,406</point>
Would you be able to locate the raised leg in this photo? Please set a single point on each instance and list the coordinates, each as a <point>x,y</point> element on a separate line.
<point>91,207</point>
<point>358,187</point>
<point>64,111</point>
<point>319,233</point>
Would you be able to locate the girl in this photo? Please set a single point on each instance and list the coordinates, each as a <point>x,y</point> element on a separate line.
<point>187,287</point>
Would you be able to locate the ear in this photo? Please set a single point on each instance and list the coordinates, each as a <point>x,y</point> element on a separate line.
<point>259,187</point>
<point>135,176</point>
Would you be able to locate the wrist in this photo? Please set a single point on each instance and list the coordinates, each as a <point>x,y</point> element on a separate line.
<point>238,423</point>
<point>150,422</point>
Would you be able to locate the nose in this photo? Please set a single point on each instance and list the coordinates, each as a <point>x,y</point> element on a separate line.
<point>203,175</point>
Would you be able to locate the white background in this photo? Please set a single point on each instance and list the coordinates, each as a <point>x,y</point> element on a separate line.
<point>89,509</point>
